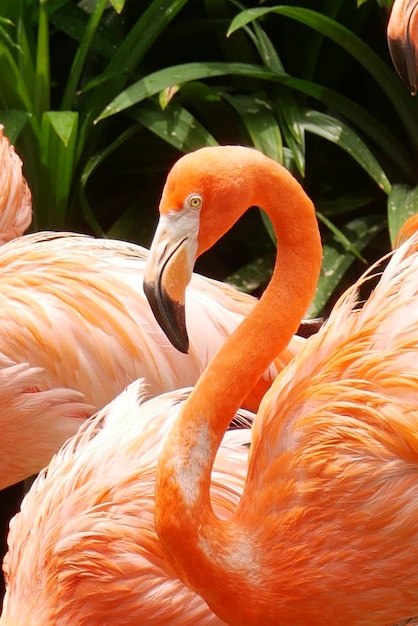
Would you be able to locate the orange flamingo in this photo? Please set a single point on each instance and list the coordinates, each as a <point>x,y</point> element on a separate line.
<point>15,196</point>
<point>75,329</point>
<point>402,34</point>
<point>326,528</point>
<point>84,550</point>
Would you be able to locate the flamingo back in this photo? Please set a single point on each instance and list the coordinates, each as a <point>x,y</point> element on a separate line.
<point>334,462</point>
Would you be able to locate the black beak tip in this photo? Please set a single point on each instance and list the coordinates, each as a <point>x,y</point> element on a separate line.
<point>169,314</point>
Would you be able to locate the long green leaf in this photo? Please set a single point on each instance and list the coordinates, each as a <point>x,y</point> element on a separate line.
<point>81,54</point>
<point>58,141</point>
<point>382,73</point>
<point>175,125</point>
<point>13,92</point>
<point>256,115</point>
<point>340,237</point>
<point>339,133</point>
<point>131,51</point>
<point>284,102</point>
<point>337,260</point>
<point>42,85</point>
<point>5,35</point>
<point>14,122</point>
<point>177,74</point>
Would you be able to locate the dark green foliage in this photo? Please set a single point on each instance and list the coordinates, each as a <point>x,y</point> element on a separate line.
<point>100,98</point>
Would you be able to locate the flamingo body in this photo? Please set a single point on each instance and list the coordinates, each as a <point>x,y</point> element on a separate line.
<point>83,550</point>
<point>326,529</point>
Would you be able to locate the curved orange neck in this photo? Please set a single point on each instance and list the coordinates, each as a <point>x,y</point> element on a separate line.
<point>184,517</point>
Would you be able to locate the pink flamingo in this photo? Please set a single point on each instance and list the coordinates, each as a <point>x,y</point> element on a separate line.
<point>84,550</point>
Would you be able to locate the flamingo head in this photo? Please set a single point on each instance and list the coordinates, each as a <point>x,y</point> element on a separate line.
<point>205,193</point>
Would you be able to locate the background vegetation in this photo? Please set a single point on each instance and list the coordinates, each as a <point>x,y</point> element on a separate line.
<point>101,97</point>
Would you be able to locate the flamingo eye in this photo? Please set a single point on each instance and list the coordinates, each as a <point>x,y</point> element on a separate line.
<point>194,201</point>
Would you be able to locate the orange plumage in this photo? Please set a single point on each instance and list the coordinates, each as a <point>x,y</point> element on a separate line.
<point>326,529</point>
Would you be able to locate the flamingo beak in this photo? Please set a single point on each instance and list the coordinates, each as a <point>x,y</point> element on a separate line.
<point>402,34</point>
<point>167,273</point>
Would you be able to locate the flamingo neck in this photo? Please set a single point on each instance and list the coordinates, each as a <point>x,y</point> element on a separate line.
<point>184,517</point>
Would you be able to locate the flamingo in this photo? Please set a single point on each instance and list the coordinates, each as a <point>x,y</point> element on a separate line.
<point>326,529</point>
<point>84,550</point>
<point>15,195</point>
<point>402,34</point>
<point>75,329</point>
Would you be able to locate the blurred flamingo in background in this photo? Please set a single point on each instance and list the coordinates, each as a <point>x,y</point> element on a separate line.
<point>326,529</point>
<point>75,329</point>
<point>84,550</point>
<point>15,196</point>
<point>402,34</point>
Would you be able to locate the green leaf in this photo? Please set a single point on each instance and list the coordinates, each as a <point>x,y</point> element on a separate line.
<point>72,20</point>
<point>178,74</point>
<point>345,203</point>
<point>58,142</point>
<point>129,53</point>
<point>5,35</point>
<point>42,85</point>
<point>175,125</point>
<point>337,259</point>
<point>402,203</point>
<point>287,110</point>
<point>379,70</point>
<point>283,100</point>
<point>13,92</point>
<point>257,117</point>
<point>14,122</point>
<point>342,135</point>
<point>340,237</point>
<point>117,5</point>
<point>253,275</point>
<point>81,54</point>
